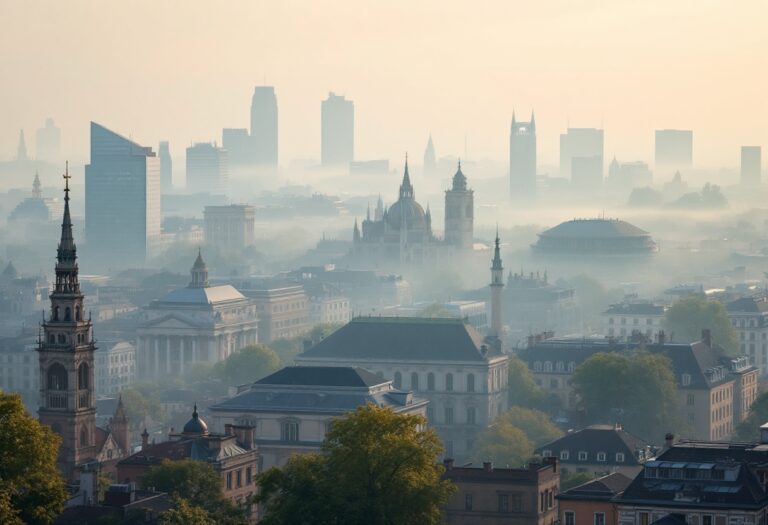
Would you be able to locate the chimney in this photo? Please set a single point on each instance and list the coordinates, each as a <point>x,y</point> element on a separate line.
<point>669,440</point>
<point>706,337</point>
<point>487,466</point>
<point>448,463</point>
<point>662,337</point>
<point>144,439</point>
<point>551,460</point>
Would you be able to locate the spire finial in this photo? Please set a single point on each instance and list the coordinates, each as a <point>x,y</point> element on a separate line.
<point>66,176</point>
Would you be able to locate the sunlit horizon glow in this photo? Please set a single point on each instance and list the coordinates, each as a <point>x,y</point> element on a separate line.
<point>181,71</point>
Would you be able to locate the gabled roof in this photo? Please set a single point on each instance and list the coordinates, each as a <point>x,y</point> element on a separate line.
<point>404,338</point>
<point>207,295</point>
<point>603,488</point>
<point>334,376</point>
<point>594,439</point>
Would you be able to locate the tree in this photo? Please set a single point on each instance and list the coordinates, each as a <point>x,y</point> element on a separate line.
<point>523,390</point>
<point>749,429</point>
<point>688,317</point>
<point>377,467</point>
<point>645,197</point>
<point>250,364</point>
<point>195,481</point>
<point>141,403</point>
<point>185,514</point>
<point>31,489</point>
<point>535,424</point>
<point>502,443</point>
<point>568,481</point>
<point>637,390</point>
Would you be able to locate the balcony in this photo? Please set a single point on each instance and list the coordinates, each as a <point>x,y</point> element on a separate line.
<point>57,400</point>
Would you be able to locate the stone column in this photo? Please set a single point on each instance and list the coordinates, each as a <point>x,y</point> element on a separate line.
<point>168,355</point>
<point>181,355</point>
<point>156,344</point>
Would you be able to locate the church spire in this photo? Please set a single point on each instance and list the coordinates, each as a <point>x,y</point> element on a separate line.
<point>66,256</point>
<point>533,121</point>
<point>21,151</point>
<point>406,188</point>
<point>497,253</point>
<point>497,284</point>
<point>36,191</point>
<point>199,272</point>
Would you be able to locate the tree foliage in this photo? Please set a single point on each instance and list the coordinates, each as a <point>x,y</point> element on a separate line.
<point>523,390</point>
<point>31,489</point>
<point>749,429</point>
<point>636,390</point>
<point>197,482</point>
<point>377,467</point>
<point>686,319</point>
<point>535,424</point>
<point>250,364</point>
<point>185,514</point>
<point>288,349</point>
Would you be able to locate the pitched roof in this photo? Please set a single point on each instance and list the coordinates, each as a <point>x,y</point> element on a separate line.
<point>636,309</point>
<point>594,439</point>
<point>603,488</point>
<point>404,338</point>
<point>207,295</point>
<point>748,305</point>
<point>334,376</point>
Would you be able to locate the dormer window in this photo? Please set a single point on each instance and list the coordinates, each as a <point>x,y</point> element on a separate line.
<point>601,456</point>
<point>686,379</point>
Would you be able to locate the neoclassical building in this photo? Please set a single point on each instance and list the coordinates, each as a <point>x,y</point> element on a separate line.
<point>197,324</point>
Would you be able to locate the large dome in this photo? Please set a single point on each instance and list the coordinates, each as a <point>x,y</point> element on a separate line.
<point>415,218</point>
<point>611,236</point>
<point>196,425</point>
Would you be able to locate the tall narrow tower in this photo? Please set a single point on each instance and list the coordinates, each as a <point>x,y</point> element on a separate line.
<point>459,213</point>
<point>66,352</point>
<point>522,158</point>
<point>497,285</point>
<point>430,160</point>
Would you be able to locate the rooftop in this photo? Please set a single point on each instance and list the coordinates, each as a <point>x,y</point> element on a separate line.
<point>595,228</point>
<point>338,376</point>
<point>208,295</point>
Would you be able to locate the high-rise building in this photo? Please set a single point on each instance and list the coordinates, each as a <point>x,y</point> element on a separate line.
<point>674,148</point>
<point>122,199</point>
<point>584,143</point>
<point>264,125</point>
<point>48,142</point>
<point>430,159</point>
<point>238,144</point>
<point>459,213</point>
<point>166,167</point>
<point>66,365</point>
<point>207,168</point>
<point>229,228</point>
<point>751,165</point>
<point>337,131</point>
<point>522,158</point>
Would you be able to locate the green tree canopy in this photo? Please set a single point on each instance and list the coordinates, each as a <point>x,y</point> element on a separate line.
<point>250,364</point>
<point>377,467</point>
<point>185,514</point>
<point>31,488</point>
<point>536,425</point>
<point>749,429</point>
<point>502,443</point>
<point>616,387</point>
<point>194,481</point>
<point>688,317</point>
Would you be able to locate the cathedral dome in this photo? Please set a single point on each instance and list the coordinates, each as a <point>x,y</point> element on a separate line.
<point>196,425</point>
<point>415,218</point>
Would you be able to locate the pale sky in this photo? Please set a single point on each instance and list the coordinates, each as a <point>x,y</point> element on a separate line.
<point>182,70</point>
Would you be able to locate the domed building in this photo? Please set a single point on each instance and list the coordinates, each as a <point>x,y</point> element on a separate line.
<point>595,236</point>
<point>403,232</point>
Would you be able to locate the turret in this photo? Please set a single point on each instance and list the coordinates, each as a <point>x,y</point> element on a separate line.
<point>199,272</point>
<point>118,425</point>
<point>497,285</point>
<point>356,232</point>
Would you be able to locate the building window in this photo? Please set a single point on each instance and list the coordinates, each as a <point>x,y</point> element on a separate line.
<point>467,501</point>
<point>248,475</point>
<point>503,503</point>
<point>706,519</point>
<point>414,381</point>
<point>398,380</point>
<point>471,415</point>
<point>691,400</point>
<point>229,481</point>
<point>643,518</point>
<point>564,455</point>
<point>470,382</point>
<point>239,477</point>
<point>601,456</point>
<point>430,381</point>
<point>686,379</point>
<point>449,415</point>
<point>619,457</point>
<point>582,455</point>
<point>449,382</point>
<point>548,366</point>
<point>570,517</point>
<point>546,453</point>
<point>599,518</point>
<point>290,431</point>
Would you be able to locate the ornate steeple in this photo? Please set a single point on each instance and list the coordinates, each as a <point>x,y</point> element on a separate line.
<point>406,188</point>
<point>199,272</point>
<point>36,191</point>
<point>459,179</point>
<point>66,255</point>
<point>497,253</point>
<point>356,232</point>
<point>497,284</point>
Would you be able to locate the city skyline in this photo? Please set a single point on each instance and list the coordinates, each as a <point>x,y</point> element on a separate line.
<point>588,85</point>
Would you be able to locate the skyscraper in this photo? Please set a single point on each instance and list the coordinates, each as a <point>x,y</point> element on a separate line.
<point>237,142</point>
<point>751,165</point>
<point>122,199</point>
<point>166,167</point>
<point>337,131</point>
<point>522,158</point>
<point>21,149</point>
<point>430,159</point>
<point>264,125</point>
<point>207,168</point>
<point>48,142</point>
<point>581,156</point>
<point>674,148</point>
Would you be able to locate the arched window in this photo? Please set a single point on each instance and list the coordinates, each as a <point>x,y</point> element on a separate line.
<point>430,381</point>
<point>55,313</point>
<point>52,339</point>
<point>82,377</point>
<point>398,380</point>
<point>83,438</point>
<point>449,382</point>
<point>560,366</point>
<point>547,366</point>
<point>78,315</point>
<point>57,377</point>
<point>414,381</point>
<point>470,382</point>
<point>62,339</point>
<point>571,366</point>
<point>67,314</point>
